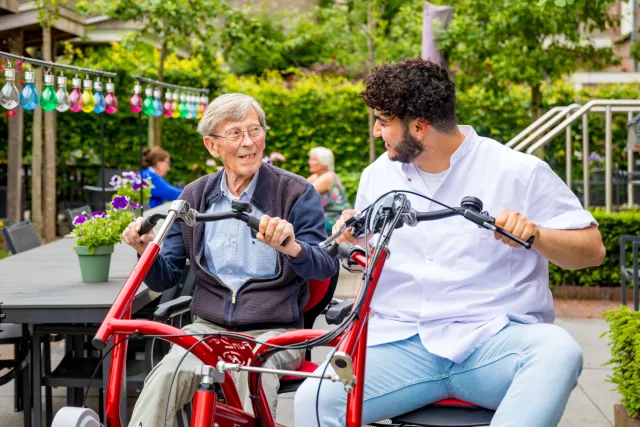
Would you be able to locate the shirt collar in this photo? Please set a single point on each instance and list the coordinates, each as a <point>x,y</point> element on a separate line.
<point>247,193</point>
<point>470,139</point>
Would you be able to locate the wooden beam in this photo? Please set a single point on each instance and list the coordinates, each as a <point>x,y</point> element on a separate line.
<point>10,5</point>
<point>29,18</point>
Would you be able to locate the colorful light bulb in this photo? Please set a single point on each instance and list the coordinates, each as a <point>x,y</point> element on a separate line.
<point>200,107</point>
<point>87,96</point>
<point>189,109</point>
<point>157,103</point>
<point>147,104</point>
<point>48,98</point>
<point>205,102</point>
<point>184,109</point>
<point>98,97</point>
<point>176,105</point>
<point>135,104</point>
<point>76,95</point>
<point>168,105</point>
<point>193,107</point>
<point>110,100</point>
<point>29,95</point>
<point>9,95</point>
<point>64,101</point>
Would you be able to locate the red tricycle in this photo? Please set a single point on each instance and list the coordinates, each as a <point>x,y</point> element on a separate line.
<point>222,352</point>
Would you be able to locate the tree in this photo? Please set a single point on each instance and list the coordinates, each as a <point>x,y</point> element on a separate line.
<point>502,42</point>
<point>185,24</point>
<point>45,195</point>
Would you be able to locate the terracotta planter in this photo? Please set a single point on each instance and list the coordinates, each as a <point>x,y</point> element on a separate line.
<point>622,419</point>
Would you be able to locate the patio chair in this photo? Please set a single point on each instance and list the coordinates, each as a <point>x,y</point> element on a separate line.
<point>98,198</point>
<point>629,274</point>
<point>20,237</point>
<point>72,213</point>
<point>108,173</point>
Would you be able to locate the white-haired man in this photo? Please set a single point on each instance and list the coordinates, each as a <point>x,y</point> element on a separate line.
<point>244,284</point>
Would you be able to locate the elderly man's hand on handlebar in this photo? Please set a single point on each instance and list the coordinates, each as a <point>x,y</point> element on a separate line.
<point>274,231</point>
<point>346,236</point>
<point>131,237</point>
<point>516,224</point>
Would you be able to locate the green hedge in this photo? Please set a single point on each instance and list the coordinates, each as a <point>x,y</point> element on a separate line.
<point>624,336</point>
<point>611,227</point>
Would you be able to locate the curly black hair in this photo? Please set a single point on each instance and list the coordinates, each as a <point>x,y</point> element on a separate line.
<point>413,88</point>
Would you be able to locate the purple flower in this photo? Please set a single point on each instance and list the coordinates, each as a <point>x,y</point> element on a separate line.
<point>120,202</point>
<point>98,214</point>
<point>595,158</point>
<point>134,205</point>
<point>115,181</point>
<point>80,219</point>
<point>136,186</point>
<point>145,183</point>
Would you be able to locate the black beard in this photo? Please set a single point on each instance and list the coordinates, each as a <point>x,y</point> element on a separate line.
<point>408,149</point>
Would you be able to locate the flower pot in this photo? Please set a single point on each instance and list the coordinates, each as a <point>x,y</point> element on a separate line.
<point>622,418</point>
<point>94,268</point>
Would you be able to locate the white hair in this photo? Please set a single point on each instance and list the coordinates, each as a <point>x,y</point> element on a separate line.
<point>229,107</point>
<point>325,156</point>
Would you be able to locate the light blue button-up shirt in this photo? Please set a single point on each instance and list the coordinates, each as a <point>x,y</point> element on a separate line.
<point>232,254</point>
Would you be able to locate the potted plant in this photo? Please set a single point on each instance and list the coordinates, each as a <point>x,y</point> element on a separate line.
<point>128,184</point>
<point>95,236</point>
<point>624,336</point>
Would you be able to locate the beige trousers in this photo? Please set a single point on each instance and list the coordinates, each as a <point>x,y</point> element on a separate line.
<point>150,407</point>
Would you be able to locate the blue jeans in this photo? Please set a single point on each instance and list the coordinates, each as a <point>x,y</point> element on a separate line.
<point>526,372</point>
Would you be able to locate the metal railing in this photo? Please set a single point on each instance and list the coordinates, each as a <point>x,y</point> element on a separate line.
<point>555,112</point>
<point>574,112</point>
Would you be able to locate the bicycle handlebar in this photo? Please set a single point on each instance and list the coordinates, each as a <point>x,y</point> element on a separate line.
<point>470,209</point>
<point>195,217</point>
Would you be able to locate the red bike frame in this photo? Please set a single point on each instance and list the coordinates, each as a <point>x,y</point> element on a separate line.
<point>118,324</point>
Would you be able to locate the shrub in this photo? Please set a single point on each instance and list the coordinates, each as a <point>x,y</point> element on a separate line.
<point>624,336</point>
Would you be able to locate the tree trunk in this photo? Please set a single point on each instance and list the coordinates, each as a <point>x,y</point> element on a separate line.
<point>49,199</point>
<point>536,102</point>
<point>155,123</point>
<point>15,133</point>
<point>36,163</point>
<point>371,28</point>
<point>536,112</point>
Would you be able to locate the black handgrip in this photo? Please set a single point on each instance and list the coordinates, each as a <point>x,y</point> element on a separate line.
<point>254,223</point>
<point>333,250</point>
<point>147,226</point>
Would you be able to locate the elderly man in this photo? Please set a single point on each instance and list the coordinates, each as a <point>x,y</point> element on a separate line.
<point>254,287</point>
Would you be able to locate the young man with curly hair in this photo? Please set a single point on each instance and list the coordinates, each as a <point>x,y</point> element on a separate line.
<point>460,312</point>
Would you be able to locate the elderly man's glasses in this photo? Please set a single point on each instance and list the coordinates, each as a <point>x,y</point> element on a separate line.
<point>236,134</point>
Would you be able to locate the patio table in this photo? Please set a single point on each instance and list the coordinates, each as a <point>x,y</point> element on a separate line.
<point>42,288</point>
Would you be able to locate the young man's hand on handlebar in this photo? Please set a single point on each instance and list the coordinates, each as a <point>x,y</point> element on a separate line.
<point>274,231</point>
<point>347,236</point>
<point>516,224</point>
<point>131,237</point>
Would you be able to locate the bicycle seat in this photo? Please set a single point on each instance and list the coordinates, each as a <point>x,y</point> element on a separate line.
<point>447,413</point>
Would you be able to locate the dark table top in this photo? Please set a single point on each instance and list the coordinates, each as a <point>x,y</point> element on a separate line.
<point>43,285</point>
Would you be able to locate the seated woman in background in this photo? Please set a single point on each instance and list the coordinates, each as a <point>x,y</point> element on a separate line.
<point>326,182</point>
<point>156,163</point>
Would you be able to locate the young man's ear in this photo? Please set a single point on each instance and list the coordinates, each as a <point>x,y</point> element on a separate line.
<point>420,127</point>
<point>209,143</point>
